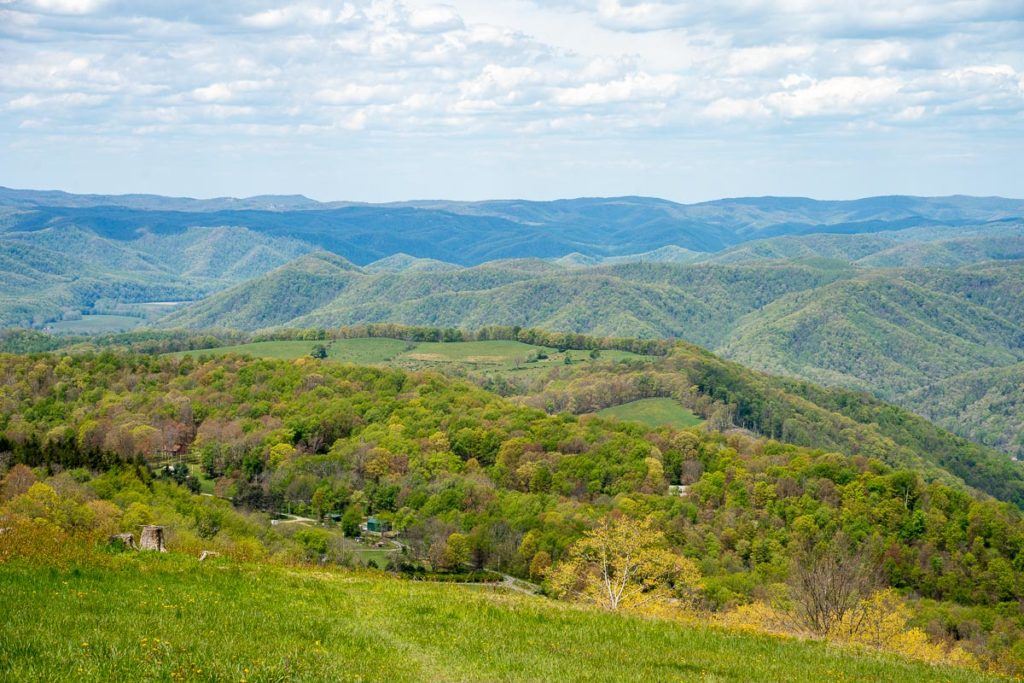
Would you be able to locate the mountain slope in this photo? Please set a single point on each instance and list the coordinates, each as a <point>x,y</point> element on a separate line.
<point>650,300</point>
<point>986,406</point>
<point>60,268</point>
<point>275,298</point>
<point>888,331</point>
<point>880,332</point>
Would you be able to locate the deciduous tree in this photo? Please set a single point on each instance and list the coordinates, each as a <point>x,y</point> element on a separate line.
<point>623,563</point>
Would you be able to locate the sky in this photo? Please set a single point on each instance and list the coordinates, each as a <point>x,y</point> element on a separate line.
<point>383,100</point>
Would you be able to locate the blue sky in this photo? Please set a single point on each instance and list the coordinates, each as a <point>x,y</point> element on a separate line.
<point>385,100</point>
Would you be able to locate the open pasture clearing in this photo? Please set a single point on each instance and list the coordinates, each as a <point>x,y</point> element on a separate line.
<point>502,356</point>
<point>654,412</point>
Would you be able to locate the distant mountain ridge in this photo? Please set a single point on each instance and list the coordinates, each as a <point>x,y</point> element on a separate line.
<point>470,233</point>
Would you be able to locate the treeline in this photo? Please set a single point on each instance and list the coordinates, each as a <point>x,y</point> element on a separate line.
<point>63,453</point>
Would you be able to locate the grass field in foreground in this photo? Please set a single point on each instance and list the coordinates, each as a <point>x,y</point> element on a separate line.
<point>654,412</point>
<point>168,617</point>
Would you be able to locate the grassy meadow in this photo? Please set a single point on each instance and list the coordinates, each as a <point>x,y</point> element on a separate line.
<point>358,351</point>
<point>169,617</point>
<point>498,355</point>
<point>96,324</point>
<point>654,412</point>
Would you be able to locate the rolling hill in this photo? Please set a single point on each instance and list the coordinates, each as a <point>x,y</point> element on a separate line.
<point>890,295</point>
<point>889,332</point>
<point>51,271</point>
<point>881,332</point>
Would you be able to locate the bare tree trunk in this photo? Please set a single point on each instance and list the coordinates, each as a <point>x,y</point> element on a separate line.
<point>827,585</point>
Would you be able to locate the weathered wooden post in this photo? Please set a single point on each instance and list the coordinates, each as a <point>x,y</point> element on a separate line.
<point>152,538</point>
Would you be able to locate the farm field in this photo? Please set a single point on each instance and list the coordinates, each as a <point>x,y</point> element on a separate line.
<point>654,412</point>
<point>477,355</point>
<point>168,617</point>
<point>96,324</point>
<point>358,351</point>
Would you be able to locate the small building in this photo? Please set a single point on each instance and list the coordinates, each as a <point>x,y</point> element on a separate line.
<point>377,526</point>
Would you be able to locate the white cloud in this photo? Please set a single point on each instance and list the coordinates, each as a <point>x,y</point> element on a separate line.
<point>303,15</point>
<point>64,6</point>
<point>63,100</point>
<point>435,19</point>
<point>766,58</point>
<point>638,87</point>
<point>217,92</point>
<point>335,73</point>
<point>355,93</point>
<point>851,95</point>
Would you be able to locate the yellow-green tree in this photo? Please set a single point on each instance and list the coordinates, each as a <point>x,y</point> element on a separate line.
<point>623,563</point>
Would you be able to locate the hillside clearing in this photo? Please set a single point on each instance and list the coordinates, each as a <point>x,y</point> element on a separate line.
<point>96,324</point>
<point>654,412</point>
<point>358,351</point>
<point>495,355</point>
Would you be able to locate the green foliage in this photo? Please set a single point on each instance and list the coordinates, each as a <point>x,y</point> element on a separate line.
<point>440,457</point>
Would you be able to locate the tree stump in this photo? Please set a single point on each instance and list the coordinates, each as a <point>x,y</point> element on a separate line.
<point>152,538</point>
<point>127,540</point>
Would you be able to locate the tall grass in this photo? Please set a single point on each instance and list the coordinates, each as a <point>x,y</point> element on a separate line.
<point>169,617</point>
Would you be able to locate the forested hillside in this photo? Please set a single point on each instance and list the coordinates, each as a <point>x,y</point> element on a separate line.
<point>890,332</point>
<point>59,272</point>
<point>724,393</point>
<point>467,477</point>
<point>984,405</point>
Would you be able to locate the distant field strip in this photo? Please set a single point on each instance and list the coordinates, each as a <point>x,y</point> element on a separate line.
<point>496,355</point>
